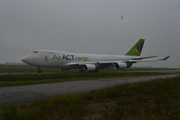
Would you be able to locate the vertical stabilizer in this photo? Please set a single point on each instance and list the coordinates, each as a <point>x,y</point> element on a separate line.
<point>136,49</point>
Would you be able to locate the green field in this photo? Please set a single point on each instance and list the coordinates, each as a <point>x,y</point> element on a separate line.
<point>25,69</point>
<point>11,76</point>
<point>154,100</point>
<point>27,79</point>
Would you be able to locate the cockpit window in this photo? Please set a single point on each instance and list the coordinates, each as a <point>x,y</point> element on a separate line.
<point>35,51</point>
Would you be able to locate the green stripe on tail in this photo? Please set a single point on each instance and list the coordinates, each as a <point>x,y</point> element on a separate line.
<point>136,49</point>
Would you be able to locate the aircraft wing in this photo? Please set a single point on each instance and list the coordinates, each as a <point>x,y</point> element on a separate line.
<point>80,63</point>
<point>139,58</point>
<point>142,59</point>
<point>105,63</point>
<point>147,60</point>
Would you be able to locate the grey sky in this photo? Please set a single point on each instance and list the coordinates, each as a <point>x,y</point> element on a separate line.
<point>90,26</point>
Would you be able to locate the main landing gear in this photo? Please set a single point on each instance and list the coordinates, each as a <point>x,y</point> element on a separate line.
<point>39,70</point>
<point>82,70</point>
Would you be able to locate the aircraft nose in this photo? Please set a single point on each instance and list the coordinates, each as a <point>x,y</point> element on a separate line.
<point>26,59</point>
<point>23,59</point>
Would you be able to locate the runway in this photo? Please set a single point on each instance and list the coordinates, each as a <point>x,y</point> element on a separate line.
<point>30,93</point>
<point>173,71</point>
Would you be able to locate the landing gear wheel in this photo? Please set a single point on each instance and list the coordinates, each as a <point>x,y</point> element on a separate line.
<point>39,70</point>
<point>81,70</point>
<point>96,70</point>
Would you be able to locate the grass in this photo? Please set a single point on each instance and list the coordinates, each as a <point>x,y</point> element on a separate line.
<point>25,70</point>
<point>29,69</point>
<point>154,100</point>
<point>9,112</point>
<point>28,79</point>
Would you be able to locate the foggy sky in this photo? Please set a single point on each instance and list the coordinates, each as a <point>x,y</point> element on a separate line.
<point>90,26</point>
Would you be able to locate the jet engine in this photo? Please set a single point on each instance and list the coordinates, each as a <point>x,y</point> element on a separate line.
<point>120,65</point>
<point>89,67</point>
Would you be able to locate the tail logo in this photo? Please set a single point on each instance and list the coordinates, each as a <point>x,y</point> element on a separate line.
<point>139,48</point>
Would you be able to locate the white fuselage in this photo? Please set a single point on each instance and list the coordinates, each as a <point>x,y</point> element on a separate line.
<point>87,62</point>
<point>59,59</point>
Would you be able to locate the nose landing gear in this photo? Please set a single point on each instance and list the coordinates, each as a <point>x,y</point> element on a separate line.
<point>39,70</point>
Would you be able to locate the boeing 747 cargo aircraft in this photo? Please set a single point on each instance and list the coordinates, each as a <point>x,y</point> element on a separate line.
<point>87,62</point>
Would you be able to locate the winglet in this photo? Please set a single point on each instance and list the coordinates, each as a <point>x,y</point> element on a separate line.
<point>165,58</point>
<point>136,49</point>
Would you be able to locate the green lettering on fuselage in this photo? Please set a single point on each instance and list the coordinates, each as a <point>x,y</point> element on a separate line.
<point>82,58</point>
<point>69,57</point>
<point>56,57</point>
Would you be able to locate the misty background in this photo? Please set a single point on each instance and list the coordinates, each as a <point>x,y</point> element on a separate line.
<point>90,26</point>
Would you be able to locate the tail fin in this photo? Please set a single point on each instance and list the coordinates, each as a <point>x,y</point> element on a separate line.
<point>136,49</point>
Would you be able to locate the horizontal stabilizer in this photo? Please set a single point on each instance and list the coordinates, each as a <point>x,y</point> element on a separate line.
<point>166,58</point>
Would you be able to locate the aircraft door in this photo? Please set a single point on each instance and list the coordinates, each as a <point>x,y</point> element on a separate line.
<point>46,59</point>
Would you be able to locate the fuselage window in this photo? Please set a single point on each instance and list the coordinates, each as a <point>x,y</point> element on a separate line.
<point>51,53</point>
<point>35,51</point>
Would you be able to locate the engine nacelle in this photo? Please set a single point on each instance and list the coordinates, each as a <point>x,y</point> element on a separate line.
<point>120,65</point>
<point>89,67</point>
